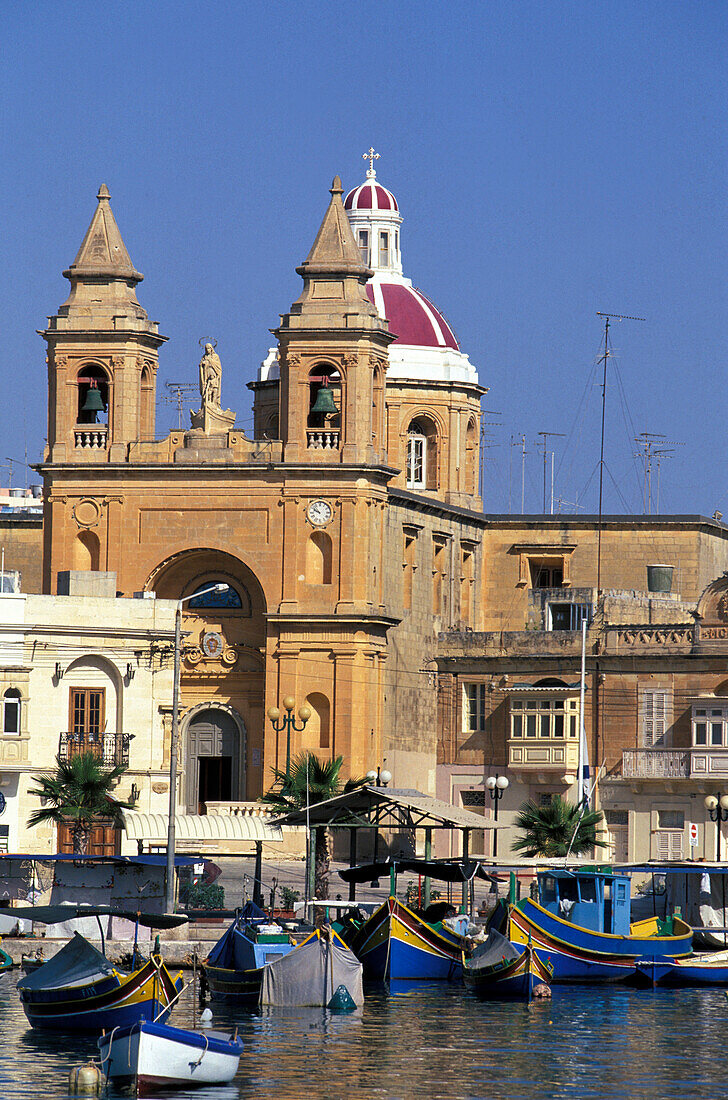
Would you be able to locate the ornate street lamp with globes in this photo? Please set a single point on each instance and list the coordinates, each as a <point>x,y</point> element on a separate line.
<point>288,722</point>
<point>717,807</point>
<point>497,785</point>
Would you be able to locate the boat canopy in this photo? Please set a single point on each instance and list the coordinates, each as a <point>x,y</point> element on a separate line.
<point>77,963</point>
<point>597,900</point>
<point>461,871</point>
<point>496,949</point>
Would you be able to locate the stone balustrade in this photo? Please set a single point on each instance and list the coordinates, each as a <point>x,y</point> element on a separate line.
<point>323,439</point>
<point>91,436</point>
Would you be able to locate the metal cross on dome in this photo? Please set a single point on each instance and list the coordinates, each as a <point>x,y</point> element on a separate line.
<point>371,156</point>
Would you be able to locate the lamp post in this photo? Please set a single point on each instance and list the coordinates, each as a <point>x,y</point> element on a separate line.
<point>288,722</point>
<point>379,778</point>
<point>169,902</point>
<point>717,807</point>
<point>497,785</point>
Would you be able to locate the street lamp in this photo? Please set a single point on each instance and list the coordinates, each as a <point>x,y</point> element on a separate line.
<point>717,807</point>
<point>169,902</point>
<point>379,778</point>
<point>288,723</point>
<point>497,785</point>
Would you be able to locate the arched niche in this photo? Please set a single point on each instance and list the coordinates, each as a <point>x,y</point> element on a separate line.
<point>86,551</point>
<point>317,734</point>
<point>471,458</point>
<point>319,553</point>
<point>214,736</point>
<point>146,404</point>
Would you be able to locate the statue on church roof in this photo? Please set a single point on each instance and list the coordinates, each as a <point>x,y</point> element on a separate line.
<point>210,377</point>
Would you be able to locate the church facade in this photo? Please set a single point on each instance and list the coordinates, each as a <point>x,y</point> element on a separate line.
<point>348,531</point>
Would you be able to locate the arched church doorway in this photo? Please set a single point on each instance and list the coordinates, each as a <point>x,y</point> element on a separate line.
<point>213,759</point>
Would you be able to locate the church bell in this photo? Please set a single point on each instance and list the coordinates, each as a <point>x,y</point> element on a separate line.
<point>93,402</point>
<point>324,402</point>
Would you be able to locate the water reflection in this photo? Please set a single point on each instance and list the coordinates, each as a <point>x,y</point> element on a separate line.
<point>434,1041</point>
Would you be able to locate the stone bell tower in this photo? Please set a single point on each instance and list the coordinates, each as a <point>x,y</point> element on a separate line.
<point>333,354</point>
<point>102,353</point>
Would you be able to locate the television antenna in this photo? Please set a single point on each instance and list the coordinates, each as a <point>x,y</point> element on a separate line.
<point>653,449</point>
<point>486,442</point>
<point>604,358</point>
<point>176,394</point>
<point>544,443</point>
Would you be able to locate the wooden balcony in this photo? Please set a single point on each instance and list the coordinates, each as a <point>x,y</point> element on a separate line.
<point>538,754</point>
<point>112,749</point>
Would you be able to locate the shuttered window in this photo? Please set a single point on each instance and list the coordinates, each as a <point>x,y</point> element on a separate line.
<point>655,718</point>
<point>473,707</point>
<point>669,834</point>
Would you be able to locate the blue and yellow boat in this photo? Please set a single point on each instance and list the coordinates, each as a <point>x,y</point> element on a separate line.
<point>80,990</point>
<point>501,970</point>
<point>396,944</point>
<point>581,924</point>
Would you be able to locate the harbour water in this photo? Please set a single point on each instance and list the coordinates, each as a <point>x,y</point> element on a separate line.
<point>432,1042</point>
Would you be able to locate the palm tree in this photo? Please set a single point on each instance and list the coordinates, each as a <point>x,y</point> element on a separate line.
<point>557,828</point>
<point>76,793</point>
<point>322,780</point>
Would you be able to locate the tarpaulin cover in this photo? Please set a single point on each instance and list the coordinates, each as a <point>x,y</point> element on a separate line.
<point>493,951</point>
<point>59,914</point>
<point>309,976</point>
<point>78,962</point>
<point>430,868</point>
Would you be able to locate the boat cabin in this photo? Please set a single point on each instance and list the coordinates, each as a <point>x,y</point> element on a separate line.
<point>597,900</point>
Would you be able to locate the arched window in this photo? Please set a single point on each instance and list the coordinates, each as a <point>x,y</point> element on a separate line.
<point>229,599</point>
<point>146,408</point>
<point>422,454</point>
<point>318,558</point>
<point>93,396</point>
<point>324,407</point>
<point>471,459</point>
<point>11,711</point>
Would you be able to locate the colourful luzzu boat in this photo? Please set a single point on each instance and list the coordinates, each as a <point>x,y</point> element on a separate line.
<point>499,969</point>
<point>581,924</point>
<point>80,990</point>
<point>395,944</point>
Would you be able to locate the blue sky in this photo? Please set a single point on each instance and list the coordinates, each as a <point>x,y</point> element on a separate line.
<point>550,160</point>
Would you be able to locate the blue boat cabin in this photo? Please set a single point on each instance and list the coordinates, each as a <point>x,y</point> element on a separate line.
<point>596,900</point>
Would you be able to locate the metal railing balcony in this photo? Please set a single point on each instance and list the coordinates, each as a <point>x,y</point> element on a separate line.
<point>655,763</point>
<point>112,749</point>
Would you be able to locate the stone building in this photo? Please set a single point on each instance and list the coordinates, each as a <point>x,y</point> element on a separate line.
<point>82,671</point>
<point>347,530</point>
<point>655,708</point>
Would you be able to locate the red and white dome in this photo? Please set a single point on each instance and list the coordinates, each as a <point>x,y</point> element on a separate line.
<point>411,315</point>
<point>370,196</point>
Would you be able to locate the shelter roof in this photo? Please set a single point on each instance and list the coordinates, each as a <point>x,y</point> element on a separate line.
<point>153,827</point>
<point>383,807</point>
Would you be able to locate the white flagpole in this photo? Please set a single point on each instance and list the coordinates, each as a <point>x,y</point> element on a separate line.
<point>582,733</point>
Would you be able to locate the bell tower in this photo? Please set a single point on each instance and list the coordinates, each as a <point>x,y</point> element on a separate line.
<point>333,354</point>
<point>102,353</point>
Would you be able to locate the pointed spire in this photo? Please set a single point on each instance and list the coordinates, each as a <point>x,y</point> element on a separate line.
<point>334,249</point>
<point>102,251</point>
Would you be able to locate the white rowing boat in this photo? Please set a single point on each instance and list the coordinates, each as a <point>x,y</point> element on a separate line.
<point>148,1056</point>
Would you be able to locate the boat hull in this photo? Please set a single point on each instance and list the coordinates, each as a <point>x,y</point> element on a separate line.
<point>116,1001</point>
<point>580,955</point>
<point>233,986</point>
<point>695,970</point>
<point>152,1055</point>
<point>512,979</point>
<point>395,944</point>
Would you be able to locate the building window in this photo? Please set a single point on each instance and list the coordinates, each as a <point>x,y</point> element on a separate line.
<point>710,727</point>
<point>416,461</point>
<point>439,577</point>
<point>474,713</point>
<point>567,616</point>
<point>617,822</point>
<point>547,574</point>
<point>544,718</point>
<point>86,710</point>
<point>228,598</point>
<point>409,566</point>
<point>364,246</point>
<point>11,711</point>
<point>384,249</point>
<point>396,244</point>
<point>669,834</point>
<point>655,718</point>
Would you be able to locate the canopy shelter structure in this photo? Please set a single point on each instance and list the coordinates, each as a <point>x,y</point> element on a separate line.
<point>255,828</point>
<point>374,807</point>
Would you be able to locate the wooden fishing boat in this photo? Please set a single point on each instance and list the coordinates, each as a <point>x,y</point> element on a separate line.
<point>581,923</point>
<point>703,968</point>
<point>499,969</point>
<point>149,1055</point>
<point>80,990</point>
<point>397,944</point>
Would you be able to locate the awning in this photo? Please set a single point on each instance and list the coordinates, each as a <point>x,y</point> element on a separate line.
<point>152,828</point>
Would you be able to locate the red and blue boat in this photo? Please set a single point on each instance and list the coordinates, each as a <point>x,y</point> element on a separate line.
<point>580,923</point>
